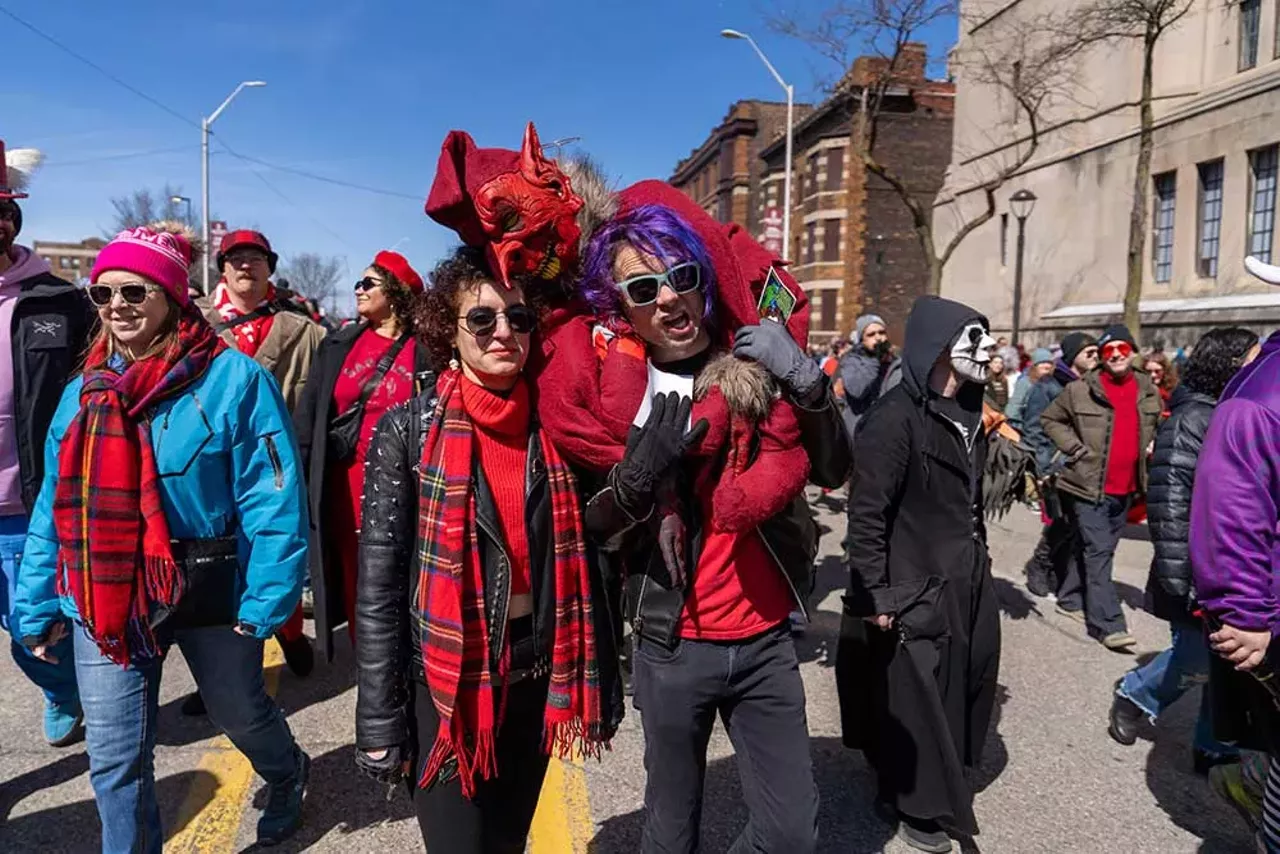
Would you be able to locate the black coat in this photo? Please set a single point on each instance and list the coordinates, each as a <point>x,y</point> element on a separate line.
<point>388,639</point>
<point>1172,474</point>
<point>918,699</point>
<point>52,325</point>
<point>311,422</point>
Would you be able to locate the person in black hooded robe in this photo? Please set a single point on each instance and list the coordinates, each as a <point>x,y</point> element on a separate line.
<point>920,641</point>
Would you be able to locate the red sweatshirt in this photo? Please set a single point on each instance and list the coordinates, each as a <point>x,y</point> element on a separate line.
<point>1122,456</point>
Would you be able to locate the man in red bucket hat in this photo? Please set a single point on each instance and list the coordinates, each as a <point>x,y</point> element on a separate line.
<point>266,323</point>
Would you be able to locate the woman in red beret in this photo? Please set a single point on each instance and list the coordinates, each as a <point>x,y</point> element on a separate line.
<point>359,372</point>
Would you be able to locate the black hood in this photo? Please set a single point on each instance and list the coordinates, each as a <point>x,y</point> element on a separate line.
<point>932,326</point>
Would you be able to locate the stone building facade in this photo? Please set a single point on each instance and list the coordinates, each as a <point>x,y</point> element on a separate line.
<point>852,244</point>
<point>1212,196</point>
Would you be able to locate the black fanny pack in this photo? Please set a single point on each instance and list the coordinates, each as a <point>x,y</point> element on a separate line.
<point>210,573</point>
<point>344,430</point>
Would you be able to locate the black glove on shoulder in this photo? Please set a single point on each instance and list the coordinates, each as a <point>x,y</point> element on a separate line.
<point>653,450</point>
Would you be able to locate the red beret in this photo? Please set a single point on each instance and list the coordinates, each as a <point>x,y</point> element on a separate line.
<point>398,266</point>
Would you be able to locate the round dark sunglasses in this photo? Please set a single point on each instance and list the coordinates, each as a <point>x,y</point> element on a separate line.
<point>482,321</point>
<point>368,283</point>
<point>134,293</point>
<point>643,290</point>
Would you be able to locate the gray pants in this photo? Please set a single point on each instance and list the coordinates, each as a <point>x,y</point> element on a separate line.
<point>755,687</point>
<point>1088,579</point>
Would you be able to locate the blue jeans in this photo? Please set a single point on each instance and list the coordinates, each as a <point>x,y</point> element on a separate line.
<point>1159,683</point>
<point>120,709</point>
<point>58,681</point>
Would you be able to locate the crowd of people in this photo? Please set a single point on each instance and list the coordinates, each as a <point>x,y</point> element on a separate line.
<point>596,415</point>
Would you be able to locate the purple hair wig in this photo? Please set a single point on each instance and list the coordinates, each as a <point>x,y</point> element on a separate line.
<point>654,230</point>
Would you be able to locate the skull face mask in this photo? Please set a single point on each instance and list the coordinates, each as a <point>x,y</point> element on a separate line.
<point>971,353</point>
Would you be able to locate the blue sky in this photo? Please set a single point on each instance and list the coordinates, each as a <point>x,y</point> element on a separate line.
<point>365,92</point>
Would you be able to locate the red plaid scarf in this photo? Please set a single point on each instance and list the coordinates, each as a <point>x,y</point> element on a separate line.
<point>113,540</point>
<point>451,613</point>
<point>250,334</point>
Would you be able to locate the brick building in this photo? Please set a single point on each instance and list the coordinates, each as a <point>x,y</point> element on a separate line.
<point>723,174</point>
<point>853,247</point>
<point>70,261</point>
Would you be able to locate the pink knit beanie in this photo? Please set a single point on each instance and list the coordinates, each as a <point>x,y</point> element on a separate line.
<point>160,256</point>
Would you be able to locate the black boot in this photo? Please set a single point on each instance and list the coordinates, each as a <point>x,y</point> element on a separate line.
<point>1038,578</point>
<point>1126,717</point>
<point>298,654</point>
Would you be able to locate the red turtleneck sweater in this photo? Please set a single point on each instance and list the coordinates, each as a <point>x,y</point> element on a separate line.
<point>502,441</point>
<point>1122,456</point>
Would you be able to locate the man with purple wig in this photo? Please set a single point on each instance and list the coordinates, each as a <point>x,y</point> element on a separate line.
<point>711,463</point>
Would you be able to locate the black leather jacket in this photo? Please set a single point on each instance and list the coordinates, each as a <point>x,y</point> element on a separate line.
<point>388,641</point>
<point>656,602</point>
<point>825,440</point>
<point>1173,471</point>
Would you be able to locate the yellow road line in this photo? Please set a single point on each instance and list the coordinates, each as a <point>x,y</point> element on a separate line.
<point>562,824</point>
<point>211,812</point>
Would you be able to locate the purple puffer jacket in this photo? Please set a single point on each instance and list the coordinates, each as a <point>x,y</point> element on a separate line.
<point>1235,551</point>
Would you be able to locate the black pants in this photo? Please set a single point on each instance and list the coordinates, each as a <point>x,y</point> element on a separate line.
<point>1054,553</point>
<point>755,687</point>
<point>497,819</point>
<point>1088,581</point>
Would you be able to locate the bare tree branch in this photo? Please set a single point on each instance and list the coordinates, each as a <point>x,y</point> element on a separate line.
<point>314,276</point>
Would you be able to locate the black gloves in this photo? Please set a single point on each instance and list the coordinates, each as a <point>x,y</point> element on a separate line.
<point>771,345</point>
<point>388,770</point>
<point>652,451</point>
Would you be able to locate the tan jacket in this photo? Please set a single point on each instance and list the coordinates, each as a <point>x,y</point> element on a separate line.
<point>287,351</point>
<point>1080,420</point>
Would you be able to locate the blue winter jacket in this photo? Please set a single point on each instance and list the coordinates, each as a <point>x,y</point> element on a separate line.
<point>228,462</point>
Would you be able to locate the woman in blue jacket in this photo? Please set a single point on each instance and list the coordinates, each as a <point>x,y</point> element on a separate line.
<point>172,510</point>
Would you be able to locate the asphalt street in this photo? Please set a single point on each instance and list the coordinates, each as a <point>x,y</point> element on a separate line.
<point>1051,779</point>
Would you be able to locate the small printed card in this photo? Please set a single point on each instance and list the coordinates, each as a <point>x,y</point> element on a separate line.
<point>776,300</point>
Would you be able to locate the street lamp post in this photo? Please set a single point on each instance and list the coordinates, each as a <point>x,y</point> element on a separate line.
<point>786,181</point>
<point>182,200</point>
<point>1022,203</point>
<point>205,124</point>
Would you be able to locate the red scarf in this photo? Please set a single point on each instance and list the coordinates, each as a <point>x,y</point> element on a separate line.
<point>250,334</point>
<point>113,539</point>
<point>450,607</point>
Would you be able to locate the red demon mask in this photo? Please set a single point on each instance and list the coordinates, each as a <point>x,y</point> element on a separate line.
<point>518,205</point>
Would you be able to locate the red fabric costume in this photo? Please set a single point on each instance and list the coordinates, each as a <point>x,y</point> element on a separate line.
<point>521,208</point>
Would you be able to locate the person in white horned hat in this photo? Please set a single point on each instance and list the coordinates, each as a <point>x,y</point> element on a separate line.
<point>45,323</point>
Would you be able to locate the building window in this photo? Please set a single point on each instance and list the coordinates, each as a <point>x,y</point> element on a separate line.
<point>810,241</point>
<point>726,160</point>
<point>1262,218</point>
<point>835,168</point>
<point>831,240</point>
<point>1004,239</point>
<point>1209,229</point>
<point>827,309</point>
<point>64,262</point>
<point>811,175</point>
<point>1250,18</point>
<point>1166,188</point>
<point>725,208</point>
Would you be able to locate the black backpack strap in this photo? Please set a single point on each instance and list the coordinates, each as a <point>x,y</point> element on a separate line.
<point>264,310</point>
<point>384,366</point>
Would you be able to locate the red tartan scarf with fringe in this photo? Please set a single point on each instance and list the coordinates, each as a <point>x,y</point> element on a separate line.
<point>451,612</point>
<point>113,539</point>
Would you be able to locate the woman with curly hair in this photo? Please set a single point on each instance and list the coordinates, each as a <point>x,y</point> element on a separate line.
<point>359,372</point>
<point>483,638</point>
<point>1145,691</point>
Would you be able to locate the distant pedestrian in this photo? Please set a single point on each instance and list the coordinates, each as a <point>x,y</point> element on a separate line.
<point>1041,366</point>
<point>868,368</point>
<point>1048,565</point>
<point>1165,376</point>
<point>358,373</point>
<point>172,511</point>
<point>999,385</point>
<point>45,325</point>
<point>1103,425</point>
<point>1146,691</point>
